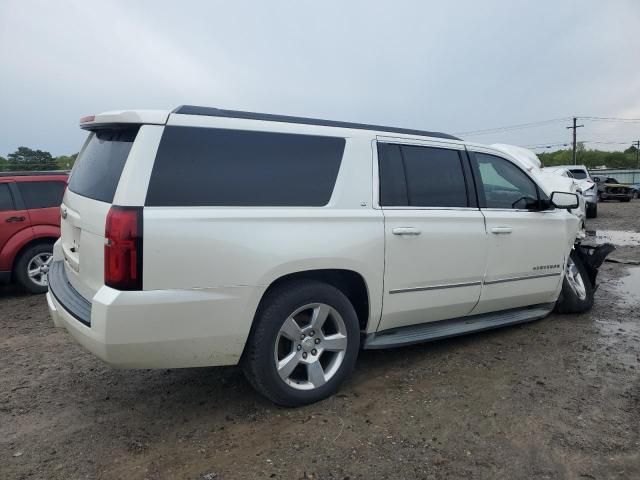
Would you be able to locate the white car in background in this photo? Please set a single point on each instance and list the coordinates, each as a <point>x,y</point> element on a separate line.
<point>585,183</point>
<point>553,179</point>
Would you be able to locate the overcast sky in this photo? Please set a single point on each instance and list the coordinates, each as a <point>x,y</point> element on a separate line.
<point>453,66</point>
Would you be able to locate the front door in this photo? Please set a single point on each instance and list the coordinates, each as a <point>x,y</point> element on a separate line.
<point>527,247</point>
<point>13,217</point>
<point>435,239</point>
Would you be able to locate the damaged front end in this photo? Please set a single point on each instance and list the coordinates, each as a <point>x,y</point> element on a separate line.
<point>592,257</point>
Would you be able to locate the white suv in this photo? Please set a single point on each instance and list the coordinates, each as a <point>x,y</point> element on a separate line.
<point>206,237</point>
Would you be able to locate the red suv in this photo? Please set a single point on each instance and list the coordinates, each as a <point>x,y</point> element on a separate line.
<point>29,225</point>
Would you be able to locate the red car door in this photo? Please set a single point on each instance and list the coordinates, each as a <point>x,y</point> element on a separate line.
<point>13,218</point>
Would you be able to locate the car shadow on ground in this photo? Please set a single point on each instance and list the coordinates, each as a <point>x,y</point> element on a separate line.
<point>201,392</point>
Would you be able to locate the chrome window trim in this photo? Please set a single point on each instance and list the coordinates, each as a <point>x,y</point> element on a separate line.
<point>424,142</point>
<point>516,210</point>
<point>475,209</point>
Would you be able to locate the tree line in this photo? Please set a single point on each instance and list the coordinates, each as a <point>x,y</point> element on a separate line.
<point>592,158</point>
<point>26,159</point>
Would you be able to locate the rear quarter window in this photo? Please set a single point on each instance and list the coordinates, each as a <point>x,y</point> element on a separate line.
<point>41,194</point>
<point>97,170</point>
<point>6,199</point>
<point>215,167</point>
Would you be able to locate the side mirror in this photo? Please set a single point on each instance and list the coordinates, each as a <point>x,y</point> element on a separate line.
<point>564,200</point>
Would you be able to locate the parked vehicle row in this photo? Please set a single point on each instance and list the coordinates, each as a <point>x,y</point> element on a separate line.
<point>29,225</point>
<point>211,237</point>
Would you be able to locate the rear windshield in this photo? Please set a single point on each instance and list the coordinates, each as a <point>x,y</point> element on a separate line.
<point>97,170</point>
<point>579,174</point>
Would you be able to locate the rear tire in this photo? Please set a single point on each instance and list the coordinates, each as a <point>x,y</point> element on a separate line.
<point>293,357</point>
<point>32,268</point>
<point>625,200</point>
<point>577,291</point>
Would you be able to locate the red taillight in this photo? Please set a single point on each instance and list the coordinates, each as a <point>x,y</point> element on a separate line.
<point>123,248</point>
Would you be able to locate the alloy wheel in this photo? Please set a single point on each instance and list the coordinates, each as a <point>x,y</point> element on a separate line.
<point>310,346</point>
<point>38,268</point>
<point>574,278</point>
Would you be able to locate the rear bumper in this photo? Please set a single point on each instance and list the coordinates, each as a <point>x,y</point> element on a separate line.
<point>163,328</point>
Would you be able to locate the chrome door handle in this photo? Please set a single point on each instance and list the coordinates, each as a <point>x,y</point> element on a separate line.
<point>405,231</point>
<point>501,230</point>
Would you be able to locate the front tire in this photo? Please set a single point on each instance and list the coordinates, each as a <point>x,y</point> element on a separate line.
<point>577,291</point>
<point>32,268</point>
<point>304,343</point>
<point>592,211</point>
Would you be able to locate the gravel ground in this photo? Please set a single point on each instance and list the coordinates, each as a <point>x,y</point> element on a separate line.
<point>557,398</point>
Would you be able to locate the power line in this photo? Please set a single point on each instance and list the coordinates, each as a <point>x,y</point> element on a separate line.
<point>548,144</point>
<point>608,143</point>
<point>520,126</point>
<point>611,119</point>
<point>541,123</point>
<point>561,143</point>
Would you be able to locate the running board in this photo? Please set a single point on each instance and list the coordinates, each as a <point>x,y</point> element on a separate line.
<point>426,332</point>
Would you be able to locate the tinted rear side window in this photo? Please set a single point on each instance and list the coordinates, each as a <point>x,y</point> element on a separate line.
<point>216,167</point>
<point>97,170</point>
<point>434,177</point>
<point>41,194</point>
<point>6,200</point>
<point>421,177</point>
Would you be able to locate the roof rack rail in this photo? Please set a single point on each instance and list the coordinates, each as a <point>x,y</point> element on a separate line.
<point>218,112</point>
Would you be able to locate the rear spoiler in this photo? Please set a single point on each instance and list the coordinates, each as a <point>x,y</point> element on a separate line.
<point>124,118</point>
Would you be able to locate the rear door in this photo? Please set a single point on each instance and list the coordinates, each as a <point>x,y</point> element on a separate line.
<point>527,247</point>
<point>435,239</point>
<point>92,187</point>
<point>42,197</point>
<point>13,217</point>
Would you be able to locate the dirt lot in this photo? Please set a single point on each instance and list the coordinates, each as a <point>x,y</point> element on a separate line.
<point>557,398</point>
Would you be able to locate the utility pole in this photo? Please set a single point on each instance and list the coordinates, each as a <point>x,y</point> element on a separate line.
<point>637,144</point>
<point>574,128</point>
